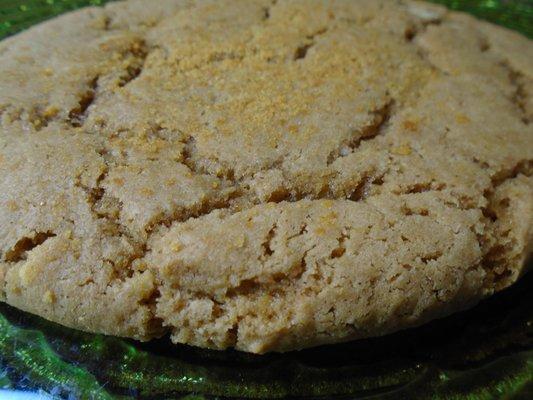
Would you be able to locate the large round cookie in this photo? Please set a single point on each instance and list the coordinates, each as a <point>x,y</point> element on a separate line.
<point>264,175</point>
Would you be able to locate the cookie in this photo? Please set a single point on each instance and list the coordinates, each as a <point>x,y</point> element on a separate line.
<point>263,175</point>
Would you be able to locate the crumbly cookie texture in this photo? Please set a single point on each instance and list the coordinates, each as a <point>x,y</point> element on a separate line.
<point>264,175</point>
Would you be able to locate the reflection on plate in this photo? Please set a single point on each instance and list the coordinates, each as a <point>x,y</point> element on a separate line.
<point>484,353</point>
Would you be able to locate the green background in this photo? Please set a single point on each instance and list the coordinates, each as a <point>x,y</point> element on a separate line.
<point>484,353</point>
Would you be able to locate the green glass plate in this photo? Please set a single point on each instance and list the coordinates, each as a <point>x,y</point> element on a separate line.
<point>484,353</point>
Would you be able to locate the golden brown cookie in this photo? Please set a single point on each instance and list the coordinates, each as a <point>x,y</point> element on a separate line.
<point>264,175</point>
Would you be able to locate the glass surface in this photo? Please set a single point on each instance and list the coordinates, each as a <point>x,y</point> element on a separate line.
<point>484,353</point>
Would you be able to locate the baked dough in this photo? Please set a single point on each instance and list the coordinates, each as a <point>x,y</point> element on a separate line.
<point>263,175</point>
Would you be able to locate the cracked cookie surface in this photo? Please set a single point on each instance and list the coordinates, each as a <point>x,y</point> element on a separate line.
<point>264,175</point>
